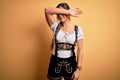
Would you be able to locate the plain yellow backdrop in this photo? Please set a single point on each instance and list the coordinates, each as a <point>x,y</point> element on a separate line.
<point>25,38</point>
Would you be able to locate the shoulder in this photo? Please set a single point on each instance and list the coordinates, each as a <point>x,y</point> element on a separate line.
<point>79,32</point>
<point>54,25</point>
<point>79,28</point>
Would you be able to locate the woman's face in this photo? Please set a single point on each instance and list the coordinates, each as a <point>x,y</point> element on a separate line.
<point>62,17</point>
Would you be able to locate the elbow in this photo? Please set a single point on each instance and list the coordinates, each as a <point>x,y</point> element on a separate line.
<point>80,50</point>
<point>46,10</point>
<point>49,10</point>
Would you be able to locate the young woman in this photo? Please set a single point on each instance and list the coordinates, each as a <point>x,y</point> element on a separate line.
<point>63,63</point>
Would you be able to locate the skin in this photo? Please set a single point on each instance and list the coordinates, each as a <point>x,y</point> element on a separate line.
<point>64,17</point>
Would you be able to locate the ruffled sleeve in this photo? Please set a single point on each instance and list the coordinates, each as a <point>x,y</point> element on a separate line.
<point>80,33</point>
<point>54,25</point>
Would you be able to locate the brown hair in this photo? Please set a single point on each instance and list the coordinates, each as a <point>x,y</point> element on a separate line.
<point>63,5</point>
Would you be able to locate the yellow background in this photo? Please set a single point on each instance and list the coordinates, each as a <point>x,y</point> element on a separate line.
<point>25,39</point>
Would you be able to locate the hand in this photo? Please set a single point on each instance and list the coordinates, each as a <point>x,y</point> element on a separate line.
<point>74,12</point>
<point>76,74</point>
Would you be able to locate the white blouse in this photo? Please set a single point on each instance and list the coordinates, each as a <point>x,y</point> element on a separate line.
<point>65,37</point>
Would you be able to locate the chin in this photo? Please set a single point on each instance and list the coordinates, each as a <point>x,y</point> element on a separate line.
<point>62,20</point>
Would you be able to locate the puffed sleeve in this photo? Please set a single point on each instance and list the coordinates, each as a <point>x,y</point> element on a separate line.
<point>80,33</point>
<point>54,25</point>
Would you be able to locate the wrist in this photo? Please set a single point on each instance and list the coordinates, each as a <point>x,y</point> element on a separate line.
<point>79,68</point>
<point>70,12</point>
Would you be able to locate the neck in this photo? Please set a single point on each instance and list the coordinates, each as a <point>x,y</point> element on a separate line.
<point>66,23</point>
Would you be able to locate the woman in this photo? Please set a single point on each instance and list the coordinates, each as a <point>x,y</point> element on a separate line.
<point>63,63</point>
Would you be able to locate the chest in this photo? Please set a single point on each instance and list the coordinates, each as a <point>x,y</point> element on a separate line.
<point>66,37</point>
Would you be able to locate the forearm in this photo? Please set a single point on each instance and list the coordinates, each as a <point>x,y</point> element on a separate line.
<point>79,57</point>
<point>52,10</point>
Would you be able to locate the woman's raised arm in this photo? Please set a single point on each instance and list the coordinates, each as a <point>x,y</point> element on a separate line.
<point>50,11</point>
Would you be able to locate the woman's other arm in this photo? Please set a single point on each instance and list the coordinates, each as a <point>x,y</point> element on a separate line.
<point>79,59</point>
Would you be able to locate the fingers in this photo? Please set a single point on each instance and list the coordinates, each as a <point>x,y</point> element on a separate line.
<point>73,77</point>
<point>78,11</point>
<point>75,12</point>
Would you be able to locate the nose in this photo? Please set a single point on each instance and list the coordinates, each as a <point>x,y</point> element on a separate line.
<point>59,15</point>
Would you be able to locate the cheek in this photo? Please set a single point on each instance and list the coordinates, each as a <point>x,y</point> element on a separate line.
<point>65,16</point>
